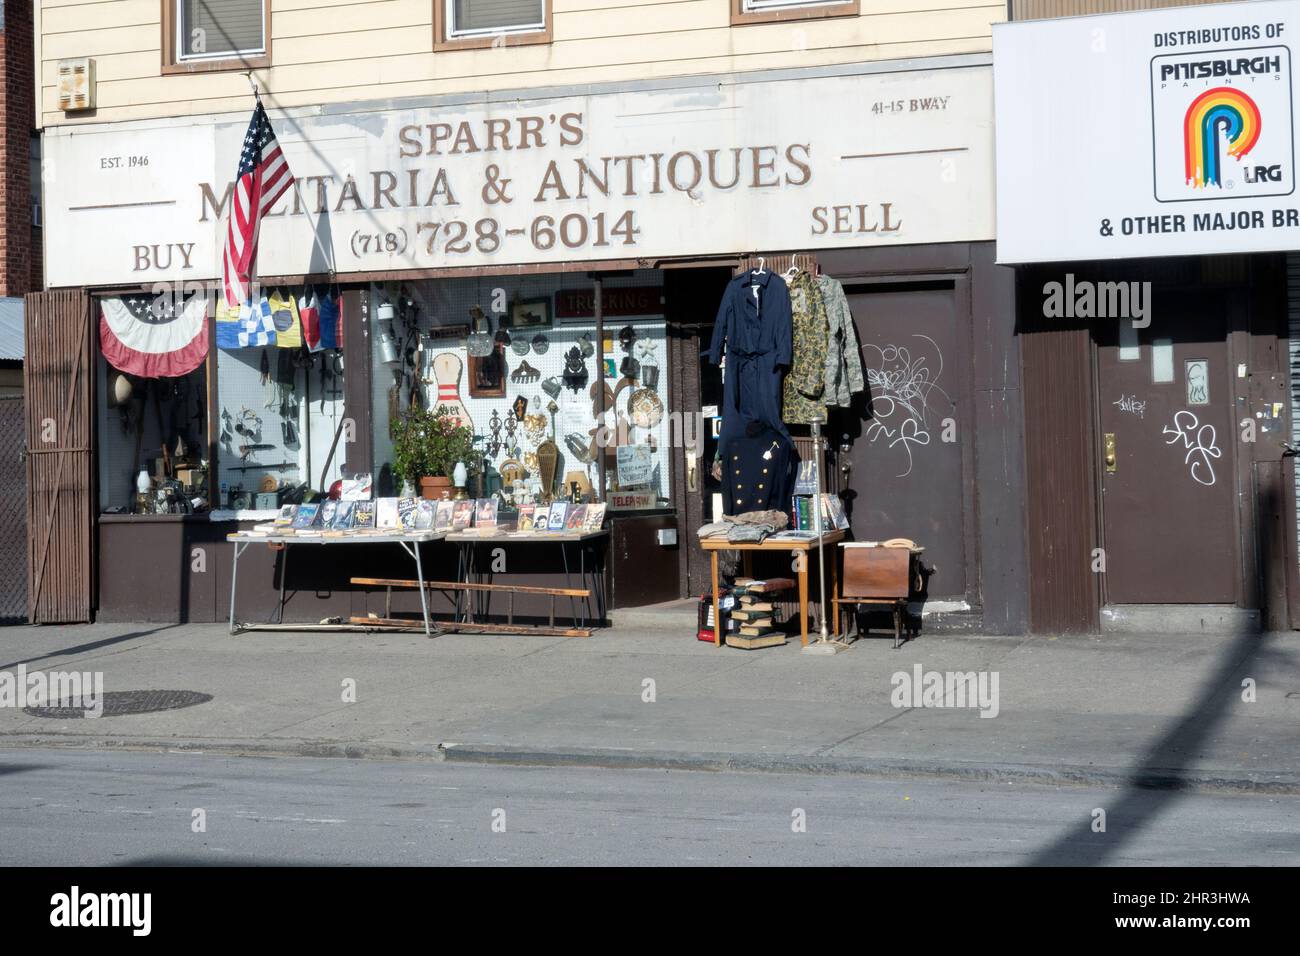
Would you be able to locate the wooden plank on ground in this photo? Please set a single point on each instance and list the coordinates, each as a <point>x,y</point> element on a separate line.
<point>466,586</point>
<point>478,627</point>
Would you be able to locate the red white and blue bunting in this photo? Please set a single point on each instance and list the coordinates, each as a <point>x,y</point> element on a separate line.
<point>154,338</point>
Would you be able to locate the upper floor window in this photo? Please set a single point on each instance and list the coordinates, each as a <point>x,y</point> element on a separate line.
<point>753,5</point>
<point>215,34</point>
<point>766,11</point>
<point>470,18</point>
<point>482,23</point>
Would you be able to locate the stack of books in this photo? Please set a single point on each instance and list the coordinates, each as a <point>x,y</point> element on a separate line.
<point>833,515</point>
<point>754,613</point>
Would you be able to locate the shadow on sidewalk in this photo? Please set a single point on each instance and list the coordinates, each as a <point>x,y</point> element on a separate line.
<point>92,646</point>
<point>1160,776</point>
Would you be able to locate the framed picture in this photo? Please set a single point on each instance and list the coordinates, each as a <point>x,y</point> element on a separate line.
<point>487,375</point>
<point>532,314</point>
<point>453,331</point>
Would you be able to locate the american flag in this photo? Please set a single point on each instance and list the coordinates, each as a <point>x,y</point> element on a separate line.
<point>262,178</point>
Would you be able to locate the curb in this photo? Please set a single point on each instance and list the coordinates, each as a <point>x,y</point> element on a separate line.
<point>227,747</point>
<point>1273,784</point>
<point>1270,784</point>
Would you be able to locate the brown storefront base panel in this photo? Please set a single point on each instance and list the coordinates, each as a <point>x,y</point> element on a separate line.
<point>186,562</point>
<point>58,378</point>
<point>642,570</point>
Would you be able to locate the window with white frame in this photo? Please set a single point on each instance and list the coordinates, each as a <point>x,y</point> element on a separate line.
<point>474,18</point>
<point>219,29</point>
<point>760,6</point>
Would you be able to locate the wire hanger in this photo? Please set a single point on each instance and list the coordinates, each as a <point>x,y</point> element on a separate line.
<point>761,261</point>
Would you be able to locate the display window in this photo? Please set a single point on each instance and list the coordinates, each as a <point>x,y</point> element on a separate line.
<point>279,409</point>
<point>515,360</point>
<point>153,428</point>
<point>237,423</point>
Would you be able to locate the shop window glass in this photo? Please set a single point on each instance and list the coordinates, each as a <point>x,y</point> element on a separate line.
<point>139,417</point>
<point>424,355</point>
<point>216,29</point>
<point>280,405</point>
<point>477,17</point>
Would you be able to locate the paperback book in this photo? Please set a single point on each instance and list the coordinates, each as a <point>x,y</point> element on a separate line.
<point>363,515</point>
<point>305,517</point>
<point>386,513</point>
<point>462,514</point>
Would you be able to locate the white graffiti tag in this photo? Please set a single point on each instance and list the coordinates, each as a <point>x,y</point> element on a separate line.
<point>1198,439</point>
<point>900,393</point>
<point>1130,403</point>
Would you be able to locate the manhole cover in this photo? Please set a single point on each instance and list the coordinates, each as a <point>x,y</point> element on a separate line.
<point>120,703</point>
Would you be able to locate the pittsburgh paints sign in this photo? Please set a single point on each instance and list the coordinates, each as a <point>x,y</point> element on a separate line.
<point>1161,133</point>
<point>866,159</point>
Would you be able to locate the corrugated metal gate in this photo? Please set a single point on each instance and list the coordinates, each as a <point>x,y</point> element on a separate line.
<point>13,512</point>
<point>58,378</point>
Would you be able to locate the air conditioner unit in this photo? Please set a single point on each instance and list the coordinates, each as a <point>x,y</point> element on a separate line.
<point>77,84</point>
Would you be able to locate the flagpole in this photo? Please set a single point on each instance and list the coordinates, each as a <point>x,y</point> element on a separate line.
<point>325,253</point>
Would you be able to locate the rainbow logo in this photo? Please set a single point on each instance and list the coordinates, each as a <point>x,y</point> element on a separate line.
<point>1220,110</point>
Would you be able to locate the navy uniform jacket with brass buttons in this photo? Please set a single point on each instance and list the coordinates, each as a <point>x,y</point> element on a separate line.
<point>757,471</point>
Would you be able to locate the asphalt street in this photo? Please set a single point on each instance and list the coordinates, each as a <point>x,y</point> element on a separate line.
<point>72,807</point>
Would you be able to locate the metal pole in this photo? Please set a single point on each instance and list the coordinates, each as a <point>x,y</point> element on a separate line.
<point>234,578</point>
<point>598,288</point>
<point>817,521</point>
<point>823,645</point>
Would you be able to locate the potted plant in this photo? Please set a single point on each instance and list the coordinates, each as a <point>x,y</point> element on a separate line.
<point>426,447</point>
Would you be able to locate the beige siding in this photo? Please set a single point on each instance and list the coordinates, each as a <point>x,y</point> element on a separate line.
<point>1047,9</point>
<point>327,51</point>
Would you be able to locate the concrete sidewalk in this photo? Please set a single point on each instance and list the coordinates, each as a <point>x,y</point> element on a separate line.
<point>1145,710</point>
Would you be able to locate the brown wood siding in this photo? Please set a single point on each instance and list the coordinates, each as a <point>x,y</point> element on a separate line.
<point>60,440</point>
<point>1050,9</point>
<point>1061,518</point>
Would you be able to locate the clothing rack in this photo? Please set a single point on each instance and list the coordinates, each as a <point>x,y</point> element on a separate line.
<point>779,264</point>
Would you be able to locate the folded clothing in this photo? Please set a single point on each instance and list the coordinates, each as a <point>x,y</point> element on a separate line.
<point>714,529</point>
<point>748,533</point>
<point>777,519</point>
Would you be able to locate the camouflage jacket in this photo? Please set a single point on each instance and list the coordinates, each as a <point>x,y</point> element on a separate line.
<point>843,356</point>
<point>806,381</point>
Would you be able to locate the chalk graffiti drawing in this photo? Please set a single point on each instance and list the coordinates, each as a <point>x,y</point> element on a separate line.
<point>1130,404</point>
<point>900,385</point>
<point>1199,441</point>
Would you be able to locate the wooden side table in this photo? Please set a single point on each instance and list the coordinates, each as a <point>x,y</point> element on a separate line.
<point>879,576</point>
<point>800,549</point>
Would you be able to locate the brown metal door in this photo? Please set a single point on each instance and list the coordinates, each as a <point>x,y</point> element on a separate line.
<point>906,449</point>
<point>60,431</point>
<point>1168,456</point>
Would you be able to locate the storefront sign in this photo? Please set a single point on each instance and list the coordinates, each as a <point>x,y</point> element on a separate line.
<point>631,500</point>
<point>635,464</point>
<point>1168,132</point>
<point>578,303</point>
<point>799,163</point>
